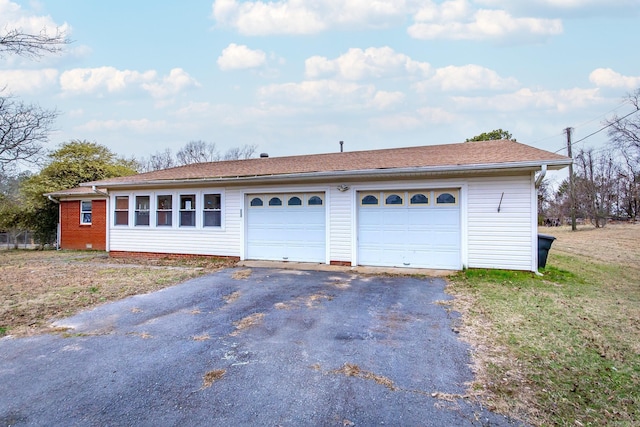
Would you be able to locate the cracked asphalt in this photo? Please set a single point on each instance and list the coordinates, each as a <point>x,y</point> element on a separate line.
<point>266,347</point>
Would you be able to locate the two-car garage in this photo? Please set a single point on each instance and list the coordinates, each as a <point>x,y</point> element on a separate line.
<point>416,228</point>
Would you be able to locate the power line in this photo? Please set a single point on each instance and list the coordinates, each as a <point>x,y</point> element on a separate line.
<point>600,130</point>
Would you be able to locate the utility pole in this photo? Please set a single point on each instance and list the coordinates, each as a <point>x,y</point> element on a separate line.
<point>572,191</point>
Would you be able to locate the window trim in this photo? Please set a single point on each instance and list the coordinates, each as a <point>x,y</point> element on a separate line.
<point>401,194</point>
<point>194,197</point>
<point>137,211</point>
<point>453,192</point>
<point>205,210</point>
<point>83,212</point>
<point>364,195</point>
<point>164,210</point>
<point>424,193</point>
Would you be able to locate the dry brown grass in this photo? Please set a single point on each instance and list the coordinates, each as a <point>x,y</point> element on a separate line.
<point>37,287</point>
<point>561,349</point>
<point>353,370</point>
<point>241,274</point>
<point>247,322</point>
<point>233,297</point>
<point>309,301</point>
<point>212,376</point>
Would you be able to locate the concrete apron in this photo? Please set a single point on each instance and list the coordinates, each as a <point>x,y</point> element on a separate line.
<point>287,265</point>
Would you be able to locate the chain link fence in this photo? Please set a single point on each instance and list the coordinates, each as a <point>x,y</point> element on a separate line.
<point>17,240</point>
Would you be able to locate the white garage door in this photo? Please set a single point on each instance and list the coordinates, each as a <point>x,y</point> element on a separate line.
<point>418,228</point>
<point>286,227</point>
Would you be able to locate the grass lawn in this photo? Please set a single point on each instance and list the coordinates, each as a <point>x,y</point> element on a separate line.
<point>563,348</point>
<point>38,286</point>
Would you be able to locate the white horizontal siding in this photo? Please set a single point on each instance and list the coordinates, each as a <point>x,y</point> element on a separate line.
<point>500,239</point>
<point>197,241</point>
<point>340,225</point>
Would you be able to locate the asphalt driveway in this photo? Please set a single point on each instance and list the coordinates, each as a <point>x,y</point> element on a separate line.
<point>264,347</point>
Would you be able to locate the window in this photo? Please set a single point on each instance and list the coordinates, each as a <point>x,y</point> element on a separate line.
<point>122,210</point>
<point>446,198</point>
<point>275,201</point>
<point>85,212</point>
<point>314,201</point>
<point>393,199</point>
<point>295,201</point>
<point>188,210</point>
<point>256,202</point>
<point>369,200</point>
<point>142,210</point>
<point>164,212</point>
<point>419,199</point>
<point>212,213</point>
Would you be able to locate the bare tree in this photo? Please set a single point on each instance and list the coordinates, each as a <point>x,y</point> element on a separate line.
<point>240,153</point>
<point>159,160</point>
<point>25,127</point>
<point>197,152</point>
<point>17,42</point>
<point>23,130</point>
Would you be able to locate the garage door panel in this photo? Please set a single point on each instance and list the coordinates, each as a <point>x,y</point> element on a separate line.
<point>426,236</point>
<point>292,233</point>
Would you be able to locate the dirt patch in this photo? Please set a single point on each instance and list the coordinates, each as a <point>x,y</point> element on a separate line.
<point>241,274</point>
<point>203,337</point>
<point>247,322</point>
<point>211,377</point>
<point>37,287</point>
<point>232,297</point>
<point>309,301</point>
<point>352,370</point>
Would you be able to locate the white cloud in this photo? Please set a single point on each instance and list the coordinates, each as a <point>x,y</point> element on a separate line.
<point>383,100</point>
<point>458,20</point>
<point>28,81</point>
<point>466,78</point>
<point>305,16</point>
<point>527,99</point>
<point>421,118</point>
<point>358,64</point>
<point>177,81</point>
<point>606,77</point>
<point>91,80</point>
<point>12,16</point>
<point>238,57</point>
<point>112,80</point>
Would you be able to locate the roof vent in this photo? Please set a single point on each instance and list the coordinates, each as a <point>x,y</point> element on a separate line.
<point>341,146</point>
<point>264,155</point>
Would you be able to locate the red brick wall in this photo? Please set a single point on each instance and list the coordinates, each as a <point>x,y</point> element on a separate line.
<point>77,236</point>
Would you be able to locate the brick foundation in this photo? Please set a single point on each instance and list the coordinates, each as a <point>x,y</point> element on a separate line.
<point>159,255</point>
<point>341,263</point>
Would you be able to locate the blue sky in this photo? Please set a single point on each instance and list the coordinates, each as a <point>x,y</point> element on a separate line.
<point>297,76</point>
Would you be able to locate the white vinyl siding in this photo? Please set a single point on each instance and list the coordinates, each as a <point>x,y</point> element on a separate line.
<point>222,241</point>
<point>340,218</point>
<point>501,239</point>
<point>488,238</point>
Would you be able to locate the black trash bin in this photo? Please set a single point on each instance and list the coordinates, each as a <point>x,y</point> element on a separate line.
<point>544,244</point>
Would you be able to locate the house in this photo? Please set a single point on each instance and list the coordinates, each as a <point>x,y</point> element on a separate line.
<point>451,206</point>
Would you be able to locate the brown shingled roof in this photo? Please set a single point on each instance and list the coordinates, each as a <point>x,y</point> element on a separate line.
<point>500,152</point>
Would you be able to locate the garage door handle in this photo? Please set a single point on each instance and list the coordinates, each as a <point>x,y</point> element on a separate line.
<point>406,263</point>
<point>285,257</point>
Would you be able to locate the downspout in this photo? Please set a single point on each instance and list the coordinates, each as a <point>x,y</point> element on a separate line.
<point>539,179</point>
<point>59,216</point>
<point>107,218</point>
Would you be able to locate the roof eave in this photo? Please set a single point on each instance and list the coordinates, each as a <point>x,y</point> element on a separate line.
<point>408,171</point>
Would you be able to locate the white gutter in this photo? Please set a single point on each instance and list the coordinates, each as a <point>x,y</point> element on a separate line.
<point>95,190</point>
<point>343,174</point>
<point>53,200</point>
<point>543,172</point>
